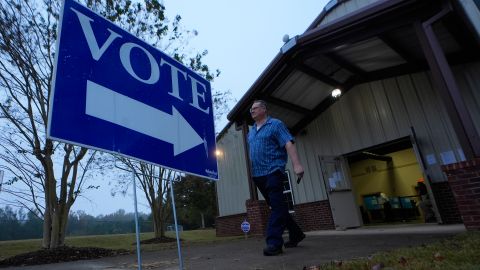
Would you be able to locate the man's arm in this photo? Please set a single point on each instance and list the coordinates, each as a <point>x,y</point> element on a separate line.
<point>292,153</point>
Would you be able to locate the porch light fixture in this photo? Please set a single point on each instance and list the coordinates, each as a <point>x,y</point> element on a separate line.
<point>336,93</point>
<point>218,153</point>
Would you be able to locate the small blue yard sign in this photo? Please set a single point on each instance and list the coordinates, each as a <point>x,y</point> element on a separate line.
<point>245,226</point>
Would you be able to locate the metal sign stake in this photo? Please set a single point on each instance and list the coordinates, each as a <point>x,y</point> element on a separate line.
<point>1,180</point>
<point>180,260</point>
<point>137,233</point>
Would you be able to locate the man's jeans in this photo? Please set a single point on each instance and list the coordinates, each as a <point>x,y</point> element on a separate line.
<point>271,187</point>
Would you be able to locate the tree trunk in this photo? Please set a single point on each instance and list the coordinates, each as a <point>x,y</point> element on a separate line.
<point>162,228</point>
<point>47,225</point>
<point>158,214</point>
<point>203,220</point>
<point>50,199</point>
<point>55,234</point>
<point>58,226</point>
<point>55,216</point>
<point>158,226</point>
<point>63,225</point>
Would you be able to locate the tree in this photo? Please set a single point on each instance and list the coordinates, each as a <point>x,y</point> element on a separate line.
<point>197,200</point>
<point>154,182</point>
<point>15,225</point>
<point>119,222</point>
<point>48,176</point>
<point>32,226</point>
<point>9,224</point>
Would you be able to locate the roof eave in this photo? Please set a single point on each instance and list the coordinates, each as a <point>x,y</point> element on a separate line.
<point>311,36</point>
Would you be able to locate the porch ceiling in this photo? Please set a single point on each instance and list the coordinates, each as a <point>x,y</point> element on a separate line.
<point>376,43</point>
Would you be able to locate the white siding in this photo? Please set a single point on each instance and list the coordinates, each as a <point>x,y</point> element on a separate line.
<point>232,188</point>
<point>468,79</point>
<point>368,115</point>
<point>381,111</point>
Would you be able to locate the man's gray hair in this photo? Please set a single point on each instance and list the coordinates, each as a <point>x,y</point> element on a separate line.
<point>262,103</point>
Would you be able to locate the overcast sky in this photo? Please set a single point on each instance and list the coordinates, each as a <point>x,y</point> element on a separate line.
<point>242,37</point>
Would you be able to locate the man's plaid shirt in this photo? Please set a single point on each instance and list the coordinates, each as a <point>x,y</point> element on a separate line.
<point>267,147</point>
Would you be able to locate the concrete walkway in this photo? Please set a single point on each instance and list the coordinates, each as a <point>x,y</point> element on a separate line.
<point>319,247</point>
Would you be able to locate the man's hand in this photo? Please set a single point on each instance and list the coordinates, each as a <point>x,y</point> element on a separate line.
<point>297,166</point>
<point>298,169</point>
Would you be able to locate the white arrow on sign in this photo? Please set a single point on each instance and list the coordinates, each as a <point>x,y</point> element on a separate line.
<point>116,108</point>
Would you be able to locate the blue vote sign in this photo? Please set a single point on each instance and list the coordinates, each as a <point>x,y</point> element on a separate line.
<point>245,226</point>
<point>114,92</point>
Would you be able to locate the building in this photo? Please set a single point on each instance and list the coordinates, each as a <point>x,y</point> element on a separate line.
<point>409,113</point>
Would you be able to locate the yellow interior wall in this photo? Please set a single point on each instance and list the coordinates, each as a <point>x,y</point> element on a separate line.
<point>372,176</point>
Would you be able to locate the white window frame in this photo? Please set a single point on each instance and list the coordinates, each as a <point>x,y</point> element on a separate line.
<point>285,191</point>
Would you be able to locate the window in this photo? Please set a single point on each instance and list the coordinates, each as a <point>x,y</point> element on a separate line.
<point>287,192</point>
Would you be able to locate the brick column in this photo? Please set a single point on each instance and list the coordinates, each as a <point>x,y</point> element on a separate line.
<point>464,179</point>
<point>257,215</point>
<point>446,203</point>
<point>229,225</point>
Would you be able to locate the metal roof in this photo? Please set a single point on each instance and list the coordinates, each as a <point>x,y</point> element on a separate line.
<point>375,42</point>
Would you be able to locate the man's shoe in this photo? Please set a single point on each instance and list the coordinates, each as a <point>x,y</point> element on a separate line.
<point>294,242</point>
<point>272,251</point>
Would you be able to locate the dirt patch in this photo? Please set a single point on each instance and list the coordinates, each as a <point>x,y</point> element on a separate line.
<point>67,254</point>
<point>158,240</point>
<point>61,254</point>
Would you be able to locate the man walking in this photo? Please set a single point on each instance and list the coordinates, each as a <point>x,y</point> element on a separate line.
<point>269,143</point>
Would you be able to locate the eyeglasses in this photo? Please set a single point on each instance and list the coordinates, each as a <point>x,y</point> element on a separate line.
<point>254,108</point>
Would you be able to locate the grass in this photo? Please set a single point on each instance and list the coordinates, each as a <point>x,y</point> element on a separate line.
<point>461,252</point>
<point>115,241</point>
<point>11,248</point>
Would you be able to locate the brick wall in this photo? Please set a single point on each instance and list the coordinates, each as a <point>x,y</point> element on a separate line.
<point>229,225</point>
<point>314,216</point>
<point>446,204</point>
<point>309,216</point>
<point>257,214</point>
<point>464,179</point>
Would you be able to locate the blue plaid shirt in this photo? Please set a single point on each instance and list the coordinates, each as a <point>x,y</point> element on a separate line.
<point>267,147</point>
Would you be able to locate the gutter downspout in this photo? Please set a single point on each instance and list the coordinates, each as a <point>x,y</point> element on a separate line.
<point>447,87</point>
<point>444,80</point>
<point>251,186</point>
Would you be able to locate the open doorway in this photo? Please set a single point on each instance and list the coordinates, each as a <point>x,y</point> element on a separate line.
<point>388,184</point>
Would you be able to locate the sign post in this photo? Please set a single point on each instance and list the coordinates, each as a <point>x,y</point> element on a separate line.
<point>1,179</point>
<point>137,230</point>
<point>180,260</point>
<point>116,93</point>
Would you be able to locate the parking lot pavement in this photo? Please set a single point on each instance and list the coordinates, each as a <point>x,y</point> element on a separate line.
<point>319,247</point>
